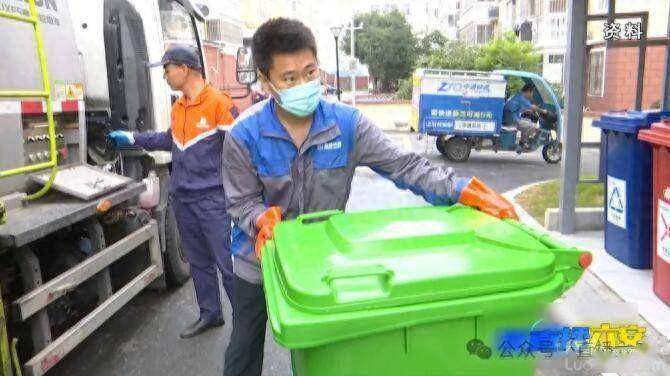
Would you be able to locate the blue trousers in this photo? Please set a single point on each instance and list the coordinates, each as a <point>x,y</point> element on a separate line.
<point>204,226</point>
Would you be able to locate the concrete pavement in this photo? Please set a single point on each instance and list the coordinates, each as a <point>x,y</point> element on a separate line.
<point>143,339</point>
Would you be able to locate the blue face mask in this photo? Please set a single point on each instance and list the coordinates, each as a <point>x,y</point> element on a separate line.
<point>301,100</point>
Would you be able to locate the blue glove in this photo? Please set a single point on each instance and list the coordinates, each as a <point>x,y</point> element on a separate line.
<point>121,138</point>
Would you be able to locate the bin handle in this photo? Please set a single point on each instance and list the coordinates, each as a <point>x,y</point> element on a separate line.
<point>355,272</point>
<point>377,286</point>
<point>269,287</point>
<point>317,217</point>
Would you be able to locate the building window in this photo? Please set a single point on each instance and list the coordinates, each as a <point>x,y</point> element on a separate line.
<point>558,29</point>
<point>596,73</point>
<point>480,34</point>
<point>522,10</point>
<point>535,8</point>
<point>601,5</point>
<point>526,31</point>
<point>557,6</point>
<point>213,31</point>
<point>555,59</point>
<point>484,34</point>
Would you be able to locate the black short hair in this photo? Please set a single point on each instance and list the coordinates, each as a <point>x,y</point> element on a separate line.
<point>527,87</point>
<point>280,35</point>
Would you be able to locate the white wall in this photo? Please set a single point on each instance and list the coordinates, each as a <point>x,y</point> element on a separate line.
<point>552,72</point>
<point>475,12</point>
<point>424,16</point>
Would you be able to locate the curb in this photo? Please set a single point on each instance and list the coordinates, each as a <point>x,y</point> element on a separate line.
<point>524,216</point>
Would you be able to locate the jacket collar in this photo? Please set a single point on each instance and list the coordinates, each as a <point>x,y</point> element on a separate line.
<point>323,129</point>
<point>203,95</point>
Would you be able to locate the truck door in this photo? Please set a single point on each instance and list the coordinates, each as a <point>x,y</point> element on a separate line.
<point>126,48</point>
<point>128,31</point>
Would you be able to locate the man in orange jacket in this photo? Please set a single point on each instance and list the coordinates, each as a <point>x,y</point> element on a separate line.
<point>198,121</point>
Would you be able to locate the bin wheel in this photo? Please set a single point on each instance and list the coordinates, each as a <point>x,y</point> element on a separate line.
<point>552,153</point>
<point>457,149</point>
<point>439,143</point>
<point>177,269</point>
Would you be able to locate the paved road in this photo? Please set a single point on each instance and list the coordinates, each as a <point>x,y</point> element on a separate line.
<point>143,339</point>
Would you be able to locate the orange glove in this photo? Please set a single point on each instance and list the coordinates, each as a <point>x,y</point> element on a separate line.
<point>265,223</point>
<point>482,197</point>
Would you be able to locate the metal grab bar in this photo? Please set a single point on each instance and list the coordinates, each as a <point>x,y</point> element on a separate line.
<point>45,94</point>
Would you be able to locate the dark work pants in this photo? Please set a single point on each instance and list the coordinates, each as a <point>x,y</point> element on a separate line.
<point>204,227</point>
<point>244,356</point>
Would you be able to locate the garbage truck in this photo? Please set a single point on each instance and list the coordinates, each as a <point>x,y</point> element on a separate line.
<point>83,227</point>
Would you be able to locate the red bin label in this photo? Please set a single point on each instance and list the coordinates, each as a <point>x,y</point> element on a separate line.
<point>663,231</point>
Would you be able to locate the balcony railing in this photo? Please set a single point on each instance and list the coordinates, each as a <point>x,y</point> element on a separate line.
<point>556,6</point>
<point>550,29</point>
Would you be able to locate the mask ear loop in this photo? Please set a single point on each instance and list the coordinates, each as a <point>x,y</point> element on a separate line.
<point>275,95</point>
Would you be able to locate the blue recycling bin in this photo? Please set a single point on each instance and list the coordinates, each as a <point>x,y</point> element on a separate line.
<point>628,198</point>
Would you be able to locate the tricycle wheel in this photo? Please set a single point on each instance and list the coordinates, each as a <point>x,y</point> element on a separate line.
<point>439,143</point>
<point>552,153</point>
<point>457,149</point>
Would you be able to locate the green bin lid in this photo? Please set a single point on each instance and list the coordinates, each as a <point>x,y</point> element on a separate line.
<point>335,262</point>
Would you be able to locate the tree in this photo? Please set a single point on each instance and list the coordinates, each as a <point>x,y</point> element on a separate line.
<point>404,89</point>
<point>506,52</point>
<point>453,55</point>
<point>432,42</point>
<point>386,44</point>
<point>437,52</point>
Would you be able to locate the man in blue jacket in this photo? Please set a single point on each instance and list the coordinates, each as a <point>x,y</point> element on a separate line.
<point>516,106</point>
<point>296,153</point>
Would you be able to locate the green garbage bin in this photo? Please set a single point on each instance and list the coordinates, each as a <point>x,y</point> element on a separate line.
<point>403,291</point>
